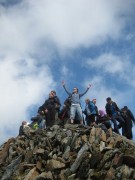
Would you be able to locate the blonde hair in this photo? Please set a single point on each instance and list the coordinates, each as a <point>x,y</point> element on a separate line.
<point>87,99</point>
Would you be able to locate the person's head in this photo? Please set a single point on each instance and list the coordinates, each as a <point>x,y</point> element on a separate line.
<point>75,90</point>
<point>109,100</point>
<point>102,113</point>
<point>40,113</point>
<point>54,92</point>
<point>87,100</point>
<point>125,107</point>
<point>51,95</point>
<point>94,101</point>
<point>24,123</point>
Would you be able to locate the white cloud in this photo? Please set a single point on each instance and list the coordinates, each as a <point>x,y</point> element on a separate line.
<point>21,85</point>
<point>79,22</point>
<point>118,66</point>
<point>108,63</point>
<point>67,24</point>
<point>100,91</point>
<point>65,70</point>
<point>29,33</point>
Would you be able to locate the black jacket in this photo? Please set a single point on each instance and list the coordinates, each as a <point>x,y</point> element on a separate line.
<point>108,108</point>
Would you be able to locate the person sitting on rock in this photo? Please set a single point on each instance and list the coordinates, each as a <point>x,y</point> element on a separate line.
<point>103,119</point>
<point>75,103</point>
<point>38,121</point>
<point>24,129</point>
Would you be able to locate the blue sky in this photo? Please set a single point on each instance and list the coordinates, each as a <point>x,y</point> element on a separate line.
<point>80,41</point>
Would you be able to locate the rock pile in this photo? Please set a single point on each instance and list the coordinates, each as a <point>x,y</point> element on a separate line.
<point>68,153</point>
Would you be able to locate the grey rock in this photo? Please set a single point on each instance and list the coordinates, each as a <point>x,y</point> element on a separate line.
<point>78,161</point>
<point>11,168</point>
<point>75,152</point>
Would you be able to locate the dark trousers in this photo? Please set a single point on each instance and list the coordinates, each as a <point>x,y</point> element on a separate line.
<point>121,121</point>
<point>91,118</point>
<point>50,117</point>
<point>127,128</point>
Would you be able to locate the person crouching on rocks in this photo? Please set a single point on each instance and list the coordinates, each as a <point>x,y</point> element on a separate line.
<point>24,129</point>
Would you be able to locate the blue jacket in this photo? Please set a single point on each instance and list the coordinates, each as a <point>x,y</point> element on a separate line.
<point>92,108</point>
<point>112,109</point>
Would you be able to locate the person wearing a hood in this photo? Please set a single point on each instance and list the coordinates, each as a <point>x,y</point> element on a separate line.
<point>129,121</point>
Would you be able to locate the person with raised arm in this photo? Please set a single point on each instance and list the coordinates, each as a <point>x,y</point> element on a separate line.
<point>75,103</point>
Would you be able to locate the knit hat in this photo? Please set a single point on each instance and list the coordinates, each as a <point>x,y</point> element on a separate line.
<point>102,113</point>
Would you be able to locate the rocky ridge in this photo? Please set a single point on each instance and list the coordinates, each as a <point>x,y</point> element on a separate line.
<point>72,152</point>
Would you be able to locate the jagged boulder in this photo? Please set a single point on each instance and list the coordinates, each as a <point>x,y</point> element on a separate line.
<point>68,153</point>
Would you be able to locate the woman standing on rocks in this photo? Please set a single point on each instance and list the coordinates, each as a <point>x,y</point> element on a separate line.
<point>75,103</point>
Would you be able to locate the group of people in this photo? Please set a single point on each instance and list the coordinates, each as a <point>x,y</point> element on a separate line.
<point>51,113</point>
<point>114,117</point>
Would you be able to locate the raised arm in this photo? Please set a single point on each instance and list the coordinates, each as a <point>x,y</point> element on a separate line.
<point>63,84</point>
<point>89,86</point>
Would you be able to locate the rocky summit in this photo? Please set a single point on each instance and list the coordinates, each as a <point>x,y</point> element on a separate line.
<point>71,152</point>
